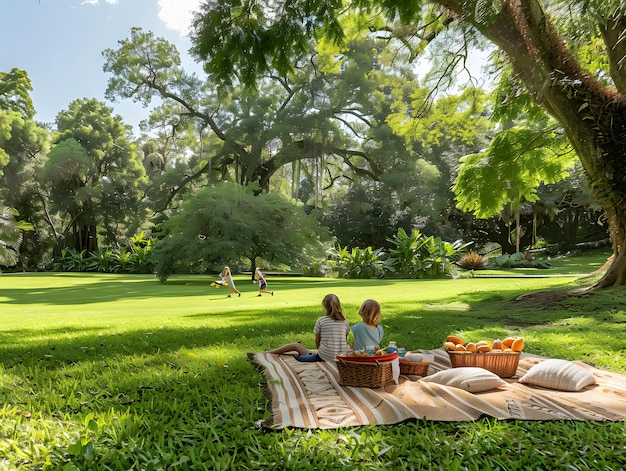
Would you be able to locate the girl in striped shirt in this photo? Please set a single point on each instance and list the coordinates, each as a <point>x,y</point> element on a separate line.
<point>331,332</point>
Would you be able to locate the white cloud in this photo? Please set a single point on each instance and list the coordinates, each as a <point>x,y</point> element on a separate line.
<point>178,14</point>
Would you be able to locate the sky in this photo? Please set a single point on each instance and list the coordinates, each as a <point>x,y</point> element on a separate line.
<point>59,43</point>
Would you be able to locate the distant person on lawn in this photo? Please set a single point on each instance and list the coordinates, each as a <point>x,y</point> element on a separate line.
<point>262,283</point>
<point>368,332</point>
<point>330,332</point>
<point>227,279</point>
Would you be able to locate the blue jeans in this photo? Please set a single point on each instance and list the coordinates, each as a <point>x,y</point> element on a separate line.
<point>311,357</point>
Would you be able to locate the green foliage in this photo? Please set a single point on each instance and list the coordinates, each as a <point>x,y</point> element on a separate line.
<point>364,217</point>
<point>140,260</point>
<point>516,260</point>
<point>130,71</point>
<point>357,263</point>
<point>94,175</point>
<point>23,145</point>
<point>246,40</point>
<point>103,260</point>
<point>510,170</point>
<point>20,141</point>
<point>72,260</point>
<point>417,256</point>
<point>318,266</point>
<point>511,99</point>
<point>225,224</point>
<point>11,235</point>
<point>15,88</point>
<point>134,258</point>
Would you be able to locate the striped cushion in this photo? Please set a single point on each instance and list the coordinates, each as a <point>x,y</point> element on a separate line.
<point>469,378</point>
<point>558,374</point>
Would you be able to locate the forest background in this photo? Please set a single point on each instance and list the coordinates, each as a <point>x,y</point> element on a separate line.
<point>355,152</point>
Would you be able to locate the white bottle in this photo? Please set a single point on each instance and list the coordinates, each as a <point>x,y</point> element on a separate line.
<point>392,347</point>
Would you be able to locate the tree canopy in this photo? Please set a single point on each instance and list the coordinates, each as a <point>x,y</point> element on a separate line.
<point>94,174</point>
<point>543,42</point>
<point>223,223</point>
<point>15,88</point>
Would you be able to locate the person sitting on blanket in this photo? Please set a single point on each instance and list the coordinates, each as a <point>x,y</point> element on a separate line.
<point>331,332</point>
<point>368,332</point>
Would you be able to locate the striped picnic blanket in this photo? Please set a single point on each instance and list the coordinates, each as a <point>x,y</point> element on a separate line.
<point>308,395</point>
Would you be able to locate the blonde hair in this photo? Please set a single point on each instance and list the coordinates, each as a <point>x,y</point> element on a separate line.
<point>370,312</point>
<point>333,307</point>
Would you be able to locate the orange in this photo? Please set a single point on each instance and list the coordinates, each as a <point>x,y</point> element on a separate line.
<point>518,345</point>
<point>507,342</point>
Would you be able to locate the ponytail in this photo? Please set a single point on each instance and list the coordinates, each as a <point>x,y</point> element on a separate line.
<point>333,307</point>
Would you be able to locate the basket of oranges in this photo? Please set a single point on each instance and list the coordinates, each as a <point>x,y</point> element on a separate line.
<point>500,356</point>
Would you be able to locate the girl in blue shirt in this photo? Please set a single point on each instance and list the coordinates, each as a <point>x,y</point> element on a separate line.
<point>369,332</point>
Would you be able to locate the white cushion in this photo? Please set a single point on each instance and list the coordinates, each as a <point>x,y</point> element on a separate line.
<point>469,378</point>
<point>558,374</point>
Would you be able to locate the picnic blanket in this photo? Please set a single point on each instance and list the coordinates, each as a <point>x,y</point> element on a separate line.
<point>308,395</point>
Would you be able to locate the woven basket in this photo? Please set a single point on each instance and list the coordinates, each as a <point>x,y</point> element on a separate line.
<point>504,364</point>
<point>365,375</point>
<point>416,368</point>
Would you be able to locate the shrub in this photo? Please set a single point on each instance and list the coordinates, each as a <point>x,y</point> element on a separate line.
<point>357,263</point>
<point>318,267</point>
<point>419,256</point>
<point>473,261</point>
<point>516,260</point>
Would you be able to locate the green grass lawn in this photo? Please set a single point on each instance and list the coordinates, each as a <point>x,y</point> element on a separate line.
<point>118,372</point>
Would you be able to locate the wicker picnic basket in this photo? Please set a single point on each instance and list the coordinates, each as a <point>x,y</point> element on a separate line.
<point>504,364</point>
<point>366,375</point>
<point>416,368</point>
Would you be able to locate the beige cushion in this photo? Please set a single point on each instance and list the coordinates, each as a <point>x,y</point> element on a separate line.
<point>558,374</point>
<point>469,378</point>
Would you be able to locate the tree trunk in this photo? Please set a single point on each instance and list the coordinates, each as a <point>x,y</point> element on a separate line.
<point>518,230</point>
<point>253,266</point>
<point>593,116</point>
<point>86,238</point>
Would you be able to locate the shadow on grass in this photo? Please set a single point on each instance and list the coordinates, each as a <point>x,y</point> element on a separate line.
<point>413,326</point>
<point>100,288</point>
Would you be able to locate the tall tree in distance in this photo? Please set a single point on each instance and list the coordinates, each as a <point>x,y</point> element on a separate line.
<point>95,177</point>
<point>15,88</point>
<point>542,41</point>
<point>23,146</point>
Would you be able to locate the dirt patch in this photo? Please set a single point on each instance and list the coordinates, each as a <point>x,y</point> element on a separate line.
<point>542,299</point>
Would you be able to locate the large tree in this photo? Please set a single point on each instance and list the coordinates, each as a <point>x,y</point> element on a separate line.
<point>243,40</point>
<point>286,120</point>
<point>94,176</point>
<point>23,145</point>
<point>226,224</point>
